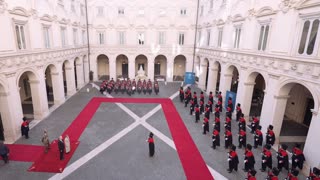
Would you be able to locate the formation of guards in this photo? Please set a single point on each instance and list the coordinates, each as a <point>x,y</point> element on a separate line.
<point>198,106</point>
<point>129,86</point>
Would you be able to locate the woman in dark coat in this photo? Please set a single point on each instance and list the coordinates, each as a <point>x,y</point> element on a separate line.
<point>151,144</point>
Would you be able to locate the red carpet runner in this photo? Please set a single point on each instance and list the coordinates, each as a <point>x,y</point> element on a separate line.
<point>192,162</point>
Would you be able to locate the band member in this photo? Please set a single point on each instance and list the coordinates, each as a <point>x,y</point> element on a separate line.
<point>227,124</point>
<point>293,175</point>
<point>249,160</point>
<point>201,107</point>
<point>227,138</point>
<point>191,107</point>
<point>282,156</point>
<point>242,123</point>
<point>25,128</point>
<point>220,105</point>
<point>219,96</point>
<point>151,144</point>
<point>314,174</point>
<point>251,174</point>
<point>258,138</point>
<point>239,112</point>
<point>297,157</point>
<point>197,112</point>
<point>217,111</point>
<point>195,98</point>
<point>201,96</point>
<point>211,96</point>
<point>205,125</point>
<point>242,139</point>
<point>207,112</point>
<point>273,175</point>
<point>186,101</point>
<point>210,105</point>
<point>266,158</point>
<point>270,137</point>
<point>215,139</point>
<point>233,159</point>
<point>230,103</point>
<point>216,124</point>
<point>229,112</point>
<point>254,123</point>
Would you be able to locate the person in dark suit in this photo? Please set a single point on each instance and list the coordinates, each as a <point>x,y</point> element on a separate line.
<point>4,152</point>
<point>151,144</point>
<point>61,147</point>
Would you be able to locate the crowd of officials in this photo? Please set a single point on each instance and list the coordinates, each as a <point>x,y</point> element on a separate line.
<point>198,106</point>
<point>129,86</point>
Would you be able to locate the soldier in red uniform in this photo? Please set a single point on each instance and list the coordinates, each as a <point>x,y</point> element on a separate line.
<point>254,124</point>
<point>201,96</point>
<point>220,105</point>
<point>233,159</point>
<point>205,125</point>
<point>197,112</point>
<point>195,98</point>
<point>210,105</point>
<point>216,124</point>
<point>229,112</point>
<point>242,139</point>
<point>282,156</point>
<point>242,123</point>
<point>191,107</point>
<point>239,112</point>
<point>270,137</point>
<point>251,174</point>
<point>227,138</point>
<point>186,101</point>
<point>151,144</point>
<point>215,139</point>
<point>220,101</point>
<point>207,112</point>
<point>230,103</point>
<point>25,128</point>
<point>217,111</point>
<point>258,138</point>
<point>211,97</point>
<point>227,124</point>
<point>201,107</point>
<point>297,157</point>
<point>293,175</point>
<point>249,160</point>
<point>273,175</point>
<point>314,174</point>
<point>266,158</point>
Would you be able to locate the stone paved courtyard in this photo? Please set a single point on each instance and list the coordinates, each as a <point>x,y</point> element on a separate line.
<point>127,158</point>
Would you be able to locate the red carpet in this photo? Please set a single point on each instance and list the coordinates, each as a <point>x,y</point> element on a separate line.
<point>192,162</point>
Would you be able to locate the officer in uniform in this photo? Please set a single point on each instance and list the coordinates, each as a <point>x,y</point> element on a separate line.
<point>270,137</point>
<point>282,156</point>
<point>239,112</point>
<point>297,157</point>
<point>227,138</point>
<point>266,158</point>
<point>233,159</point>
<point>242,139</point>
<point>197,112</point>
<point>258,138</point>
<point>215,139</point>
<point>249,160</point>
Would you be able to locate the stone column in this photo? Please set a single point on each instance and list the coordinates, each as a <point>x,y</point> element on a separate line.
<point>112,68</point>
<point>79,70</point>
<point>94,67</point>
<point>86,70</point>
<point>70,78</point>
<point>151,68</point>
<point>39,98</point>
<point>131,68</point>
<point>244,96</point>
<point>212,80</point>
<point>311,154</point>
<point>10,125</point>
<point>170,67</point>
<point>225,84</point>
<point>202,76</point>
<point>189,62</point>
<point>57,86</point>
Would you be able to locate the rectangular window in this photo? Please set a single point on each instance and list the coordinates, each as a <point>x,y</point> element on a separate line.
<point>83,37</point>
<point>63,36</point>
<point>181,39</point>
<point>101,37</point>
<point>183,12</point>
<point>20,34</point>
<point>141,38</point>
<point>121,38</point>
<point>220,37</point>
<point>75,36</point>
<point>100,11</point>
<point>161,37</point>
<point>46,37</point>
<point>309,37</point>
<point>201,10</point>
<point>208,37</point>
<point>120,11</point>
<point>263,38</point>
<point>237,37</point>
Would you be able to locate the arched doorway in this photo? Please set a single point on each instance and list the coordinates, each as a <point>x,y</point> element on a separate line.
<point>197,68</point>
<point>214,77</point>
<point>49,84</point>
<point>179,68</point>
<point>257,88</point>
<point>68,77</point>
<point>217,64</point>
<point>122,69</point>
<point>26,82</point>
<point>141,61</point>
<point>103,67</point>
<point>160,67</point>
<point>294,113</point>
<point>203,74</point>
<point>234,81</point>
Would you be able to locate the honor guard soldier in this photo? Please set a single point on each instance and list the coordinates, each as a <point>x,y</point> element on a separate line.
<point>217,111</point>
<point>258,138</point>
<point>227,138</point>
<point>297,157</point>
<point>266,158</point>
<point>242,139</point>
<point>215,139</point>
<point>211,97</point>
<point>293,175</point>
<point>227,123</point>
<point>201,96</point>
<point>207,112</point>
<point>186,101</point>
<point>282,156</point>
<point>197,112</point>
<point>251,174</point>
<point>220,105</point>
<point>191,107</point>
<point>195,98</point>
<point>181,94</point>
<point>201,107</point>
<point>273,175</point>
<point>270,137</point>
<point>254,124</point>
<point>220,101</point>
<point>239,112</point>
<point>249,160</point>
<point>242,123</point>
<point>205,125</point>
<point>314,174</point>
<point>216,124</point>
<point>210,105</point>
<point>233,159</point>
<point>230,103</point>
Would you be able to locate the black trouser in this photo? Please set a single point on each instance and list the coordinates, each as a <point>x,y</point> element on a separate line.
<point>61,154</point>
<point>233,166</point>
<point>266,164</point>
<point>5,158</point>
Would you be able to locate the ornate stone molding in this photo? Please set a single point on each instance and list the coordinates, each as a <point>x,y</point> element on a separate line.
<point>286,5</point>
<point>10,74</point>
<point>3,6</point>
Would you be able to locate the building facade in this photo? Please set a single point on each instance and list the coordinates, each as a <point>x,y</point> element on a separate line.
<point>267,53</point>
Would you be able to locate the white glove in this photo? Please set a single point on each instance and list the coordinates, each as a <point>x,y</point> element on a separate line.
<point>245,161</point>
<point>280,161</point>
<point>226,139</point>
<point>264,161</point>
<point>229,159</point>
<point>213,140</point>
<point>257,139</point>
<point>296,160</point>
